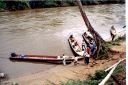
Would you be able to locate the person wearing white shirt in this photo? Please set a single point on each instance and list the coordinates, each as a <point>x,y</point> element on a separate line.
<point>86,57</point>
<point>64,59</point>
<point>113,32</point>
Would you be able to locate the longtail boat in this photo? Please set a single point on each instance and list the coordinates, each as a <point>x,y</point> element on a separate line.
<point>41,58</point>
<point>87,38</point>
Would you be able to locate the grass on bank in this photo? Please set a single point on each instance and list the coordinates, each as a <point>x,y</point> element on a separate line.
<point>105,49</point>
<point>92,80</point>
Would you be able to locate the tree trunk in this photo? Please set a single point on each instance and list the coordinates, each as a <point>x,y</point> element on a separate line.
<point>98,39</point>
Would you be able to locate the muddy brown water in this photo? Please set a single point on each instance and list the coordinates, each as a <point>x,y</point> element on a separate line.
<point>45,31</point>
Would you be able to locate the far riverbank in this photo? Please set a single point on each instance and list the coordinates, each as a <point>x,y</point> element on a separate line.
<point>32,4</point>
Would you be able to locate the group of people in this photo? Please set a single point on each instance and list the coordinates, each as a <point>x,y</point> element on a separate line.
<point>89,47</point>
<point>89,50</point>
<point>74,44</point>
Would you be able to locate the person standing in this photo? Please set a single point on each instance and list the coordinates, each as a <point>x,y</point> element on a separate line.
<point>64,60</point>
<point>93,47</point>
<point>113,32</point>
<point>83,46</point>
<point>87,55</point>
<point>75,60</point>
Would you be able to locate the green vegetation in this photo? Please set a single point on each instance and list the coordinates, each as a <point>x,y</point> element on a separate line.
<point>104,53</point>
<point>24,4</point>
<point>98,77</point>
<point>119,69</point>
<point>2,5</point>
<point>93,80</point>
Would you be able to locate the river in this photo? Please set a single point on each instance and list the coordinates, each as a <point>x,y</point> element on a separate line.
<point>45,31</point>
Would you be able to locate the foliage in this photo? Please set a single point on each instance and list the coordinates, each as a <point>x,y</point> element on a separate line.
<point>100,74</point>
<point>23,4</point>
<point>2,5</point>
<point>119,68</point>
<point>16,5</point>
<point>104,52</point>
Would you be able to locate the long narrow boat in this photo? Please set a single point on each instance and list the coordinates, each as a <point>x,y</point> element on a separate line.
<point>87,38</point>
<point>41,58</point>
<point>78,51</point>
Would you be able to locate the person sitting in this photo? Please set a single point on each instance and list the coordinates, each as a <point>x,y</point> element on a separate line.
<point>71,38</point>
<point>73,42</point>
<point>113,32</point>
<point>13,55</point>
<point>85,34</point>
<point>76,47</point>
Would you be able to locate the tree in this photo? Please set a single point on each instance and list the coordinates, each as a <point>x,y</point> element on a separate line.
<point>98,39</point>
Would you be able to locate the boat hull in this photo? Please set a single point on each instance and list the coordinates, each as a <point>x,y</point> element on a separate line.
<point>53,60</point>
<point>73,51</point>
<point>79,52</point>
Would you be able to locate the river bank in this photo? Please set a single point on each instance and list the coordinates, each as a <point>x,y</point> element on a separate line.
<point>32,4</point>
<point>62,73</point>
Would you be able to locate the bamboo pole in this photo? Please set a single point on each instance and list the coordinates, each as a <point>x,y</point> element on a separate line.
<point>114,65</point>
<point>110,73</point>
<point>108,76</point>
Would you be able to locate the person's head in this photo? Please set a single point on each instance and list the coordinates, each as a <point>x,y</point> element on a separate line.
<point>72,40</point>
<point>85,33</point>
<point>112,27</point>
<point>91,42</point>
<point>76,44</point>
<point>88,46</point>
<point>13,55</point>
<point>71,36</point>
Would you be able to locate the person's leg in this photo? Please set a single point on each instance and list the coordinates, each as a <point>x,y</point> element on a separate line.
<point>87,60</point>
<point>112,37</point>
<point>64,62</point>
<point>83,47</point>
<point>75,62</point>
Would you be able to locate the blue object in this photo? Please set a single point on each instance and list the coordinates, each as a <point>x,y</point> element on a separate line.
<point>22,56</point>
